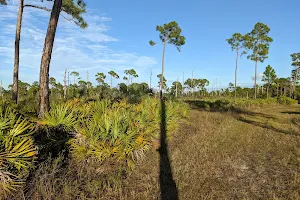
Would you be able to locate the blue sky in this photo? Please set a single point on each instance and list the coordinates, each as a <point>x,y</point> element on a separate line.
<point>119,32</point>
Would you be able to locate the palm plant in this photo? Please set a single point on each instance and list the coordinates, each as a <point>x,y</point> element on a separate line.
<point>17,151</point>
<point>120,131</point>
<point>60,115</point>
<point>109,132</point>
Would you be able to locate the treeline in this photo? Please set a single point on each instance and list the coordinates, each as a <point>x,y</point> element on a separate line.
<point>256,45</point>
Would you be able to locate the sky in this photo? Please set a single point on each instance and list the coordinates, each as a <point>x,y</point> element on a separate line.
<point>119,32</point>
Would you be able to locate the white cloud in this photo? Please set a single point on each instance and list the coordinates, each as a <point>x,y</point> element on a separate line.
<point>74,48</point>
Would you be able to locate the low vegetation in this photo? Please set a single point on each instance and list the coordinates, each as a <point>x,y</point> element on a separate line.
<point>250,154</point>
<point>77,139</point>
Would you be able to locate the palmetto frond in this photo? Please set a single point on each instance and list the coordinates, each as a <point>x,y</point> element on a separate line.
<point>17,151</point>
<point>60,115</point>
<point>8,183</point>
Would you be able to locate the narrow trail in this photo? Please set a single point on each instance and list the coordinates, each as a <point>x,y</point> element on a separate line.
<point>225,155</point>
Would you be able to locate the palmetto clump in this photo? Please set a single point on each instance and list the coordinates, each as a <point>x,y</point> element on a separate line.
<point>17,151</point>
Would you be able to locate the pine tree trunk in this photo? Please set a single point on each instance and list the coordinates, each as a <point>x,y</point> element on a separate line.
<point>268,92</point>
<point>162,71</point>
<point>17,53</point>
<point>46,58</point>
<point>110,81</point>
<point>255,75</point>
<point>235,74</point>
<point>295,82</point>
<point>65,85</point>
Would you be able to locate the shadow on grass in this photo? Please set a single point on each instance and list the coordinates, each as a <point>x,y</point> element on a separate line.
<point>267,126</point>
<point>168,189</point>
<point>291,113</point>
<point>225,106</point>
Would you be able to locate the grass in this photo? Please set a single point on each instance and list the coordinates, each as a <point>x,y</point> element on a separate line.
<point>95,146</point>
<point>228,154</point>
<point>223,151</point>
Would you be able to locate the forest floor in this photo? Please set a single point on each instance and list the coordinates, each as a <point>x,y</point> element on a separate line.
<point>221,154</point>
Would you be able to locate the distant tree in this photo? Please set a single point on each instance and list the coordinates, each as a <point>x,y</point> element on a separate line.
<point>283,84</point>
<point>100,78</point>
<point>237,44</point>
<point>82,83</point>
<point>74,74</point>
<point>196,83</point>
<point>258,42</point>
<point>113,74</point>
<point>190,83</point>
<point>131,74</point>
<point>82,88</point>
<point>164,84</point>
<point>123,88</point>
<point>52,82</point>
<point>269,76</point>
<point>73,9</point>
<point>295,72</point>
<point>231,87</point>
<point>176,88</point>
<point>202,83</point>
<point>34,88</point>
<point>169,33</point>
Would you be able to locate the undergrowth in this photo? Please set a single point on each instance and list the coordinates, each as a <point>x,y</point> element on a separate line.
<point>87,149</point>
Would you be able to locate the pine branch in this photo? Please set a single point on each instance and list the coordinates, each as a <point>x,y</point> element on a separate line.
<point>48,10</point>
<point>38,7</point>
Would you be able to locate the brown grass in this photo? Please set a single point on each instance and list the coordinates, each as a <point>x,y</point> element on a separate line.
<point>228,155</point>
<point>224,153</point>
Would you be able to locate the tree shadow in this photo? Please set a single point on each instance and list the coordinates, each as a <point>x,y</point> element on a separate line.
<point>291,113</point>
<point>239,114</point>
<point>295,122</point>
<point>52,141</point>
<point>267,126</point>
<point>168,189</point>
<point>223,106</point>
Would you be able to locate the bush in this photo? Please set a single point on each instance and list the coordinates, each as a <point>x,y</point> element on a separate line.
<point>107,140</point>
<point>17,151</point>
<point>286,100</point>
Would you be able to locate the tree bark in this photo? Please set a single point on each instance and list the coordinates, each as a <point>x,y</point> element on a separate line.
<point>235,74</point>
<point>255,80</point>
<point>162,70</point>
<point>295,82</point>
<point>65,85</point>
<point>46,58</point>
<point>110,81</point>
<point>17,53</point>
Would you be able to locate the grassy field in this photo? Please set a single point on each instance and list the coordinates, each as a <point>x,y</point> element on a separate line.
<point>225,153</point>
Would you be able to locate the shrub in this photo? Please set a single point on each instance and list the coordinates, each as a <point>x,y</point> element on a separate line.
<point>17,151</point>
<point>286,100</point>
<point>108,139</point>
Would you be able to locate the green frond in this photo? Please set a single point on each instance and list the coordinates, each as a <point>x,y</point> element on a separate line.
<point>60,115</point>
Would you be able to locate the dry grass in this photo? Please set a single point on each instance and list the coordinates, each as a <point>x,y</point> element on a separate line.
<point>229,155</point>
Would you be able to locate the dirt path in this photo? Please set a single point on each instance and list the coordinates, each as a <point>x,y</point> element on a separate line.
<point>224,155</point>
